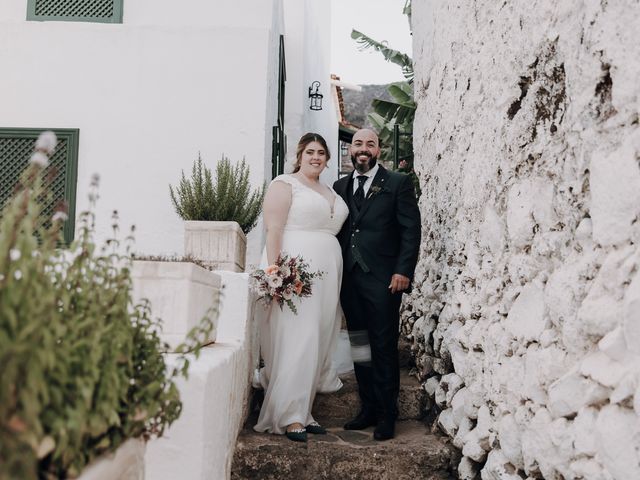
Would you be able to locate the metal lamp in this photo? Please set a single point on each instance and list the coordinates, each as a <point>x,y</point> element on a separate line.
<point>315,96</point>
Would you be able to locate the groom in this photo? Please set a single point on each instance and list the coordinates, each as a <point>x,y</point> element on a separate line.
<point>380,242</point>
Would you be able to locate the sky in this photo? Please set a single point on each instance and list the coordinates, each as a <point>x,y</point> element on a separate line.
<point>378,19</point>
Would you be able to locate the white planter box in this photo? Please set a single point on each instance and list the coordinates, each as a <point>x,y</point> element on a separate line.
<point>126,463</point>
<point>221,245</point>
<point>180,294</point>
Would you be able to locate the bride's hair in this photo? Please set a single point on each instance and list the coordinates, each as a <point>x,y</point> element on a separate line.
<point>305,140</point>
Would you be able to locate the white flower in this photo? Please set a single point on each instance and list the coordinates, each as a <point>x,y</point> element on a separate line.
<point>59,216</point>
<point>274,281</point>
<point>17,274</point>
<point>39,159</point>
<point>14,254</point>
<point>287,294</point>
<point>285,271</point>
<point>47,142</point>
<point>1,277</point>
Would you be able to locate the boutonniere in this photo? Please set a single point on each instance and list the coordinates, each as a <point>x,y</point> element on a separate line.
<point>375,189</point>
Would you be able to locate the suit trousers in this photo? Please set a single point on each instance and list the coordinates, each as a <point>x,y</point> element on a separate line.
<point>373,316</point>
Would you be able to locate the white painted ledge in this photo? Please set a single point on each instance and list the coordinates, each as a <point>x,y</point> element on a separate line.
<point>200,444</point>
<point>126,463</point>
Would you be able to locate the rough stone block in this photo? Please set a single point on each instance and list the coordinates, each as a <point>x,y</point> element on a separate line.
<point>584,429</point>
<point>497,467</point>
<point>446,423</point>
<point>457,405</point>
<point>571,392</point>
<point>491,234</point>
<point>613,345</point>
<point>602,369</point>
<point>526,319</point>
<point>631,320</point>
<point>615,192</point>
<point>510,437</point>
<point>617,431</point>
<point>467,469</point>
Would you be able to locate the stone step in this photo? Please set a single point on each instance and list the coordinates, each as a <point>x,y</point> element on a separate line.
<point>334,409</point>
<point>415,453</point>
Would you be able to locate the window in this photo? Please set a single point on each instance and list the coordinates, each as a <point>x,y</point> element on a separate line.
<point>102,11</point>
<point>16,147</point>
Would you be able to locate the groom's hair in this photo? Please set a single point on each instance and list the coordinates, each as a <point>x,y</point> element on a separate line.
<point>305,140</point>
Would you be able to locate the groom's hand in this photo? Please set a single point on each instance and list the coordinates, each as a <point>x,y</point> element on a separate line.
<point>399,283</point>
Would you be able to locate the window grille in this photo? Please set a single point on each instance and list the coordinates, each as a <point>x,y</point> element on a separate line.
<point>103,11</point>
<point>16,147</point>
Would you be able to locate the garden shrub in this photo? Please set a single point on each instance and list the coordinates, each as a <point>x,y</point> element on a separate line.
<point>82,366</point>
<point>227,198</point>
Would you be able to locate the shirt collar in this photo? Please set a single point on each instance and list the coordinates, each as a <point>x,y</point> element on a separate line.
<point>371,173</point>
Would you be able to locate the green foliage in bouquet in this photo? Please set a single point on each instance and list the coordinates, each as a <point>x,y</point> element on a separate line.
<point>82,366</point>
<point>227,198</point>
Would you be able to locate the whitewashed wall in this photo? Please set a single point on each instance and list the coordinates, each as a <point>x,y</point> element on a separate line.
<point>528,287</point>
<point>308,55</point>
<point>147,96</point>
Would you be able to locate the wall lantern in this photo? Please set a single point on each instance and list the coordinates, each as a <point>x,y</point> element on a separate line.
<point>315,96</point>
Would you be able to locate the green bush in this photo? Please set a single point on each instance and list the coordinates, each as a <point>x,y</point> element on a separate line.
<point>227,198</point>
<point>82,366</point>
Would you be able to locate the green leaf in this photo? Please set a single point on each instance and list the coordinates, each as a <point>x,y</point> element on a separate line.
<point>390,55</point>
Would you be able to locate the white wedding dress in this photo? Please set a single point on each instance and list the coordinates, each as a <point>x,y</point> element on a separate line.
<point>297,349</point>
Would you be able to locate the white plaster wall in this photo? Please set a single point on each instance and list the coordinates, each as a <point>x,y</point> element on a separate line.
<point>525,314</point>
<point>308,56</point>
<point>147,96</point>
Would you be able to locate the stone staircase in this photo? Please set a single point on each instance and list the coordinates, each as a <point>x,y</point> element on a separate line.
<point>416,452</point>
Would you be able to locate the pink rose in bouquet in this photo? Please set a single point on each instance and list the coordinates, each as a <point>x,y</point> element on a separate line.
<point>285,280</point>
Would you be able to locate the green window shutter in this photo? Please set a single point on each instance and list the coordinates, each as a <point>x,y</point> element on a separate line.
<point>102,11</point>
<point>16,147</point>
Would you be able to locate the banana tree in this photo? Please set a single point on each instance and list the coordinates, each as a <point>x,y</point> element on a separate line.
<point>388,114</point>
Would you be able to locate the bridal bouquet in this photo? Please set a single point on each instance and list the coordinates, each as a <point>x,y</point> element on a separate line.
<point>289,277</point>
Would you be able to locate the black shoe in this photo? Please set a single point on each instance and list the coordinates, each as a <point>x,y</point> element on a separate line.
<point>297,435</point>
<point>385,429</point>
<point>316,429</point>
<point>363,420</point>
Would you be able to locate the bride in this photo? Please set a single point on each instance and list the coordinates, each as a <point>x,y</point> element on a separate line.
<point>302,217</point>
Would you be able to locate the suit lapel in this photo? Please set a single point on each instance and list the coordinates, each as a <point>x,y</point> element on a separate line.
<point>341,187</point>
<point>374,190</point>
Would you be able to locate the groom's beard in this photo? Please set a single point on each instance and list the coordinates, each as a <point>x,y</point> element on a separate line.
<point>363,167</point>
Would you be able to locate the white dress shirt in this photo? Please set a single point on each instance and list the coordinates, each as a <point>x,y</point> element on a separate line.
<point>370,174</point>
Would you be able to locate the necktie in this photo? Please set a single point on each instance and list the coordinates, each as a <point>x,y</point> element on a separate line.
<point>358,197</point>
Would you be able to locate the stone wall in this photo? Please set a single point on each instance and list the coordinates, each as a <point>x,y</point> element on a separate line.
<point>526,313</point>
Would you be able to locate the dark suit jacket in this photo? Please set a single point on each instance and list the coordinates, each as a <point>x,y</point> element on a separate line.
<point>383,237</point>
